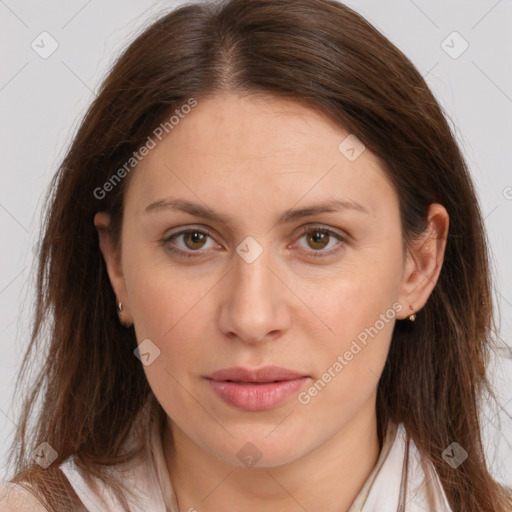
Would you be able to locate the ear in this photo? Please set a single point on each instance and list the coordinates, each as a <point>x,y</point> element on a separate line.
<point>112,258</point>
<point>424,261</point>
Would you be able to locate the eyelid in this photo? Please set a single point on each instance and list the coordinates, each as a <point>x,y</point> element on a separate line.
<point>303,230</point>
<point>185,229</point>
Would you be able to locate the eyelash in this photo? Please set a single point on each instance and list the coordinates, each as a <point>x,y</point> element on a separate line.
<point>304,231</point>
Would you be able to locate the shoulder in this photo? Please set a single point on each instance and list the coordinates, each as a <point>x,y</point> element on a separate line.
<point>15,498</point>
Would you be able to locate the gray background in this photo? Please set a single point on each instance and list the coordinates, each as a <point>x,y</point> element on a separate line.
<point>43,99</point>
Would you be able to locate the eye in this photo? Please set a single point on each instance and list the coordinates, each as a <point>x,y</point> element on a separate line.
<point>192,241</point>
<point>319,238</point>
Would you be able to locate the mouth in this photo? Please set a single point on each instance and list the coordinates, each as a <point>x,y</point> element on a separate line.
<point>256,390</point>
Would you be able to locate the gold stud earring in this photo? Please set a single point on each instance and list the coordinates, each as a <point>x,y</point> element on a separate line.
<point>412,316</point>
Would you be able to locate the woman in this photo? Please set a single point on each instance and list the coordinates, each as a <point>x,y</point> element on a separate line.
<point>265,278</point>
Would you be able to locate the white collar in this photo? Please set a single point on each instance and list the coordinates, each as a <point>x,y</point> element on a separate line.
<point>383,490</point>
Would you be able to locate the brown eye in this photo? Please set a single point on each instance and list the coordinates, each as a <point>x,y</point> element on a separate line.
<point>321,242</point>
<point>318,239</point>
<point>194,239</point>
<point>188,243</point>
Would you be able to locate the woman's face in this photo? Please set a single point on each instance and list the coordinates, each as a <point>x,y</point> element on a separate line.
<point>271,276</point>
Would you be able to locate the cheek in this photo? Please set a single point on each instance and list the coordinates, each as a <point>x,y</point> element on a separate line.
<point>360,333</point>
<point>349,364</point>
<point>355,299</point>
<point>167,311</point>
<point>160,294</point>
<point>358,312</point>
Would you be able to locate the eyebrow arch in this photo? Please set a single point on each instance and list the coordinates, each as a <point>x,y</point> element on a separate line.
<point>290,215</point>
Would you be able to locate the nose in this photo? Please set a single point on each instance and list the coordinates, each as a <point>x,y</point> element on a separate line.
<point>255,302</point>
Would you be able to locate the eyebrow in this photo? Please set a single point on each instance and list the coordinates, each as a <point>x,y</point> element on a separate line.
<point>290,215</point>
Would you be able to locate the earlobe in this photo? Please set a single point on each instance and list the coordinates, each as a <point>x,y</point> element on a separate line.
<point>112,260</point>
<point>424,261</point>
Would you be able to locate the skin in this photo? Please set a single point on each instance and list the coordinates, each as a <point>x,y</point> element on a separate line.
<point>251,158</point>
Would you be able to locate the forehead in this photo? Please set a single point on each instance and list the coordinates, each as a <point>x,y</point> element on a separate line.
<point>258,149</point>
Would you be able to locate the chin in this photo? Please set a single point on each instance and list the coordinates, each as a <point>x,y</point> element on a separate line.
<point>253,449</point>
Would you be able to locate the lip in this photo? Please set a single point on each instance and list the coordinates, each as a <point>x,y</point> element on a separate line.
<point>257,375</point>
<point>258,389</point>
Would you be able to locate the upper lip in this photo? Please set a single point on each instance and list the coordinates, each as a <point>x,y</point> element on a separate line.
<point>263,374</point>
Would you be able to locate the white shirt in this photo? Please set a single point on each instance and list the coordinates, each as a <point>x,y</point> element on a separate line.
<point>381,492</point>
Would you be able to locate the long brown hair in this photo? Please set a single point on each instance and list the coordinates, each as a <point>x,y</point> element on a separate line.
<point>91,387</point>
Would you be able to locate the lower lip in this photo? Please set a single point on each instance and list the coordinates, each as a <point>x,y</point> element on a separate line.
<point>256,397</point>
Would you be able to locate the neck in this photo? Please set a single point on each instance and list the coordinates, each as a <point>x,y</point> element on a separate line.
<point>328,478</point>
